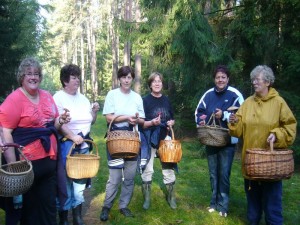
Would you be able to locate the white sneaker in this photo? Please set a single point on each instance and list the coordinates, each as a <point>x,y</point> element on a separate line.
<point>223,214</point>
<point>210,209</point>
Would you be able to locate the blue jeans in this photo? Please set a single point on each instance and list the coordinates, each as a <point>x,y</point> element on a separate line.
<point>264,196</point>
<point>75,188</point>
<point>219,164</point>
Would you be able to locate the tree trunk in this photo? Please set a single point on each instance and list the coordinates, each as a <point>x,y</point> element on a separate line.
<point>115,47</point>
<point>92,54</point>
<point>127,45</point>
<point>138,73</point>
<point>82,63</point>
<point>64,52</point>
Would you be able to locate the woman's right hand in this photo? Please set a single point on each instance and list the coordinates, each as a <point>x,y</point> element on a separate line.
<point>202,122</point>
<point>65,117</point>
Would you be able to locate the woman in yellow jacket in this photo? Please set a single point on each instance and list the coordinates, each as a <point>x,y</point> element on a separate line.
<point>263,118</point>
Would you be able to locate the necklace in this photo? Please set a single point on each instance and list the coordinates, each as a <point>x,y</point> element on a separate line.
<point>157,95</point>
<point>29,95</point>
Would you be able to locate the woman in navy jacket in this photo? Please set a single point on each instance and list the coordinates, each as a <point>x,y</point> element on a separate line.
<point>217,100</point>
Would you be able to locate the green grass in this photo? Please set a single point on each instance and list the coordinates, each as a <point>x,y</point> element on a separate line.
<point>192,191</point>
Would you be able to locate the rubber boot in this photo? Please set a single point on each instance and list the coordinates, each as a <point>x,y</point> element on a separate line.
<point>171,195</point>
<point>63,217</point>
<point>77,218</point>
<point>146,189</point>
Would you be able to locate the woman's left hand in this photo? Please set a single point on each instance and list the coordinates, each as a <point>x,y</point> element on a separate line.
<point>77,139</point>
<point>271,138</point>
<point>171,123</point>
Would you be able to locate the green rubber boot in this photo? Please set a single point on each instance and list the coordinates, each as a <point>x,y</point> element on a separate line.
<point>171,195</point>
<point>146,189</point>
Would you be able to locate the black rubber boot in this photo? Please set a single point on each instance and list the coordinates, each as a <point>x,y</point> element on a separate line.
<point>171,195</point>
<point>104,214</point>
<point>63,217</point>
<point>77,218</point>
<point>146,189</point>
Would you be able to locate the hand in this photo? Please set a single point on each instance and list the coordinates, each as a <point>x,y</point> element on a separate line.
<point>233,118</point>
<point>77,139</point>
<point>202,123</point>
<point>271,138</point>
<point>156,121</point>
<point>133,120</point>
<point>95,107</point>
<point>171,123</point>
<point>218,113</point>
<point>65,117</point>
<point>18,201</point>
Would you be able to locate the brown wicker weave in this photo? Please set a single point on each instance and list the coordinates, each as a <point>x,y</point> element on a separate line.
<point>170,151</point>
<point>80,166</point>
<point>213,135</point>
<point>262,164</point>
<point>122,143</point>
<point>15,178</point>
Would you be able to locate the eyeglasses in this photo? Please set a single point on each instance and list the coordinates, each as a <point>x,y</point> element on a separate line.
<point>32,74</point>
<point>256,80</point>
<point>157,82</point>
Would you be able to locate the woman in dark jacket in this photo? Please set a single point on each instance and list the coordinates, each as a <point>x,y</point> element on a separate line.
<point>216,101</point>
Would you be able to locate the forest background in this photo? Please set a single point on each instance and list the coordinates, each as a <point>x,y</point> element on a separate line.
<point>182,39</point>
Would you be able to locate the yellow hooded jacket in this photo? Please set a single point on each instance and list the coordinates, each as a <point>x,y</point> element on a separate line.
<point>258,117</point>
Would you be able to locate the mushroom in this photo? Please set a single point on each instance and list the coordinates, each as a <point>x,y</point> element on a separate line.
<point>232,109</point>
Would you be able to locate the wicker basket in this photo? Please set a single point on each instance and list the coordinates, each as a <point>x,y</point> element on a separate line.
<point>15,178</point>
<point>213,135</point>
<point>170,151</point>
<point>80,166</point>
<point>262,164</point>
<point>122,143</point>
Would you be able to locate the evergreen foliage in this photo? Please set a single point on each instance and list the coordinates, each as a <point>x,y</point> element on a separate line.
<point>19,37</point>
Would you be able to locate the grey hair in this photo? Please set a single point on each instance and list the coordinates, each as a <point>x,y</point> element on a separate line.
<point>26,63</point>
<point>265,71</point>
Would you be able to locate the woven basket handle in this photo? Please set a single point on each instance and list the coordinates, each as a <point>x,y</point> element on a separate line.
<point>85,140</point>
<point>111,122</point>
<point>19,148</point>
<point>212,119</point>
<point>172,132</point>
<point>271,146</point>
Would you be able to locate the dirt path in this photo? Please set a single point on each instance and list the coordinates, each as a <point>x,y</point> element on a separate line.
<point>91,209</point>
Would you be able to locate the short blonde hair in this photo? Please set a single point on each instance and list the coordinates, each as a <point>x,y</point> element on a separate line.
<point>152,77</point>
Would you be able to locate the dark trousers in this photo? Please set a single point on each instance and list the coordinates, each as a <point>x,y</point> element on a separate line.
<point>12,216</point>
<point>264,196</point>
<point>39,205</point>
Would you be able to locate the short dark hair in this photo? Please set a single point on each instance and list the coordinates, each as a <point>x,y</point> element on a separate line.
<point>67,71</point>
<point>222,69</point>
<point>125,70</point>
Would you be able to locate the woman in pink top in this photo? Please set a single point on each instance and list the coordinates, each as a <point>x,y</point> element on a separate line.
<point>29,117</point>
